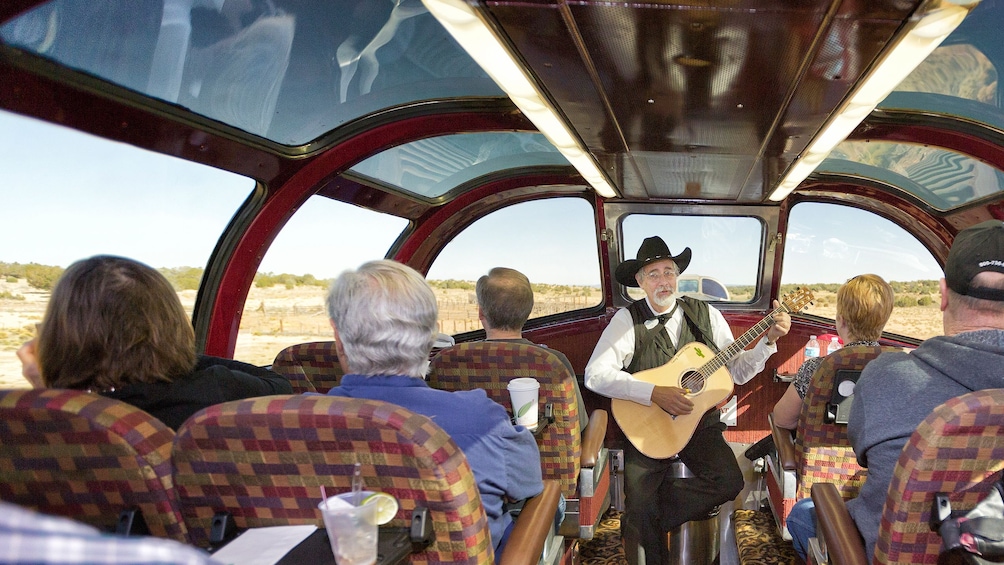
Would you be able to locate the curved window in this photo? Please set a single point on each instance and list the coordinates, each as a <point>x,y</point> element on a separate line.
<point>432,167</point>
<point>960,70</point>
<point>265,69</point>
<point>552,242</point>
<point>942,178</point>
<point>960,78</point>
<point>827,244</point>
<point>68,196</point>
<point>285,305</point>
<point>725,252</point>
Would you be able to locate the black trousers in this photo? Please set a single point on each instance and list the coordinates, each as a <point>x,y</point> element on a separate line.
<point>656,503</point>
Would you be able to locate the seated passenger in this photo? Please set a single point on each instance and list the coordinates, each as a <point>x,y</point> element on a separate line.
<point>115,326</point>
<point>30,537</point>
<point>898,390</point>
<point>864,305</point>
<point>505,300</point>
<point>384,318</point>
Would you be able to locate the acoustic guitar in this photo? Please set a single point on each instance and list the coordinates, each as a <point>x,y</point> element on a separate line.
<point>660,435</point>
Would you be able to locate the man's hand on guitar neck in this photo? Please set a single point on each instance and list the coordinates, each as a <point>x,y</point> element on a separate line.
<point>782,323</point>
<point>673,400</point>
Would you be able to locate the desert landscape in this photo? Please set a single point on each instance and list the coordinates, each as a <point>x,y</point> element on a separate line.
<point>281,315</point>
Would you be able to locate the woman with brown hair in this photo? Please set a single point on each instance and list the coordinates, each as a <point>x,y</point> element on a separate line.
<point>115,326</point>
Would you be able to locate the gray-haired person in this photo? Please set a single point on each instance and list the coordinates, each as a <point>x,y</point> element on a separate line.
<point>384,317</point>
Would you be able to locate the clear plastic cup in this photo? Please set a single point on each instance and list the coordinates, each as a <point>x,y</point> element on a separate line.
<point>352,530</point>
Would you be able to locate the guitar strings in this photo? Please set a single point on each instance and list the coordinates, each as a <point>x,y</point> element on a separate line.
<point>695,378</point>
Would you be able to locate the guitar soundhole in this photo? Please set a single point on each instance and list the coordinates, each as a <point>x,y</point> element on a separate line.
<point>692,380</point>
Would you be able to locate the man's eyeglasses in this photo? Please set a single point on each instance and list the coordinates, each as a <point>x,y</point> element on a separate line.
<point>657,275</point>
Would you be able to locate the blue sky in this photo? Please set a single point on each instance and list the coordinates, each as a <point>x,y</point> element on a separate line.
<point>64,201</point>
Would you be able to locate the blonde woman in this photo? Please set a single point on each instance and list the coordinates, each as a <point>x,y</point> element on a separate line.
<point>864,304</point>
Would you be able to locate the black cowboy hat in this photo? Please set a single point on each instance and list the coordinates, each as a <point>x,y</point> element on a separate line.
<point>652,249</point>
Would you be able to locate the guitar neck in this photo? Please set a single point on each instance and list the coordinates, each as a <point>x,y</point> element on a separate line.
<point>737,346</point>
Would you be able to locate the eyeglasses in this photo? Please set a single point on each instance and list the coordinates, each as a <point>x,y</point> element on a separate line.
<point>657,275</point>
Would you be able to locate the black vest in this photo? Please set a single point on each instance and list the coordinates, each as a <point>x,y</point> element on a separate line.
<point>653,348</point>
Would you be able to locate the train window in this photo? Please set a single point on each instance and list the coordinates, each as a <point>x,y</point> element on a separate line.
<point>960,77</point>
<point>942,178</point>
<point>827,244</point>
<point>434,166</point>
<point>285,305</point>
<point>68,196</point>
<point>725,252</point>
<point>265,69</point>
<point>552,242</point>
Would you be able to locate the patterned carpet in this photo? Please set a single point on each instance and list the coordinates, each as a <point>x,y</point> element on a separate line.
<point>605,547</point>
<point>758,540</point>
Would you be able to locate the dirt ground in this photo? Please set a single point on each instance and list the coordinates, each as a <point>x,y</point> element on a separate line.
<point>277,317</point>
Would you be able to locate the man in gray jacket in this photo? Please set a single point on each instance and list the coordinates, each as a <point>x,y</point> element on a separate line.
<point>898,390</point>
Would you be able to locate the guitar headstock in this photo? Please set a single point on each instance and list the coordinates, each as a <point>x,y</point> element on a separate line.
<point>796,300</point>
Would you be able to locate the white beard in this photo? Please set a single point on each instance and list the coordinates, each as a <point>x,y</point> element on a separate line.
<point>665,303</point>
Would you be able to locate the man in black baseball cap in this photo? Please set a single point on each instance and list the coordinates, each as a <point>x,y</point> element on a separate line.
<point>977,249</point>
<point>646,335</point>
<point>898,390</point>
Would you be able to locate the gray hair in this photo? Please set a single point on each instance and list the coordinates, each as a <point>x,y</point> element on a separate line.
<point>505,297</point>
<point>386,315</point>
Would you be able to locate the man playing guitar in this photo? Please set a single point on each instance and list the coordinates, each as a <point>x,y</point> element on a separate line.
<point>646,336</point>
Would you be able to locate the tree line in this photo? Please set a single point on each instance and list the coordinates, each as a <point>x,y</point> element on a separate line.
<point>44,277</point>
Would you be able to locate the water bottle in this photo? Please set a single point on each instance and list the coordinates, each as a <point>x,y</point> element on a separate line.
<point>834,344</point>
<point>812,348</point>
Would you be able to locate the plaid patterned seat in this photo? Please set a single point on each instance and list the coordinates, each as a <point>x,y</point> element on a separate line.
<point>822,450</point>
<point>265,459</point>
<point>958,450</point>
<point>310,367</point>
<point>83,456</point>
<point>490,365</point>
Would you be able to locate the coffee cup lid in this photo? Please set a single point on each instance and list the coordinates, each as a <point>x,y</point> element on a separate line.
<point>523,383</point>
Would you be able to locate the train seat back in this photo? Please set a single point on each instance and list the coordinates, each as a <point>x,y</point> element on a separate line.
<point>310,367</point>
<point>821,448</point>
<point>570,455</point>
<point>314,367</point>
<point>264,461</point>
<point>957,450</point>
<point>83,456</point>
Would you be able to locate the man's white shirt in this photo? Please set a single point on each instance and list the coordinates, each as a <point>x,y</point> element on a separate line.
<point>605,372</point>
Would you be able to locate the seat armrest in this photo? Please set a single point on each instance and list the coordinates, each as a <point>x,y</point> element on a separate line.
<point>836,527</point>
<point>592,438</point>
<point>784,444</point>
<point>535,523</point>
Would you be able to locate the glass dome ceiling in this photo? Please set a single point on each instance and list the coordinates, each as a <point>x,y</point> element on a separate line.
<point>286,74</point>
<point>432,167</point>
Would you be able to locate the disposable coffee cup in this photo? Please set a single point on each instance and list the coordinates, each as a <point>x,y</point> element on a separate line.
<point>524,393</point>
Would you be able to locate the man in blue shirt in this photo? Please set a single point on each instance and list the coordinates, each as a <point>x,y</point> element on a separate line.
<point>384,317</point>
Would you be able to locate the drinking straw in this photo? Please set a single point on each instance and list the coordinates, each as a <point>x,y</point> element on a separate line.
<point>357,484</point>
<point>324,495</point>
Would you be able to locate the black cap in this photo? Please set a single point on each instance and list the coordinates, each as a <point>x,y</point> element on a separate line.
<point>652,249</point>
<point>976,249</point>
